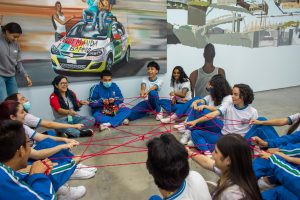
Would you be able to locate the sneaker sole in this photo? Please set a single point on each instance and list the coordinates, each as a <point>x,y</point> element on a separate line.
<point>81,178</point>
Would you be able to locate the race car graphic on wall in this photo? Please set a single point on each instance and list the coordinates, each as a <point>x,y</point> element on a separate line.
<point>87,49</point>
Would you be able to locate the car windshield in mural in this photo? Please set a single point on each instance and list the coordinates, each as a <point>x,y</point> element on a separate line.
<point>253,23</point>
<point>82,38</point>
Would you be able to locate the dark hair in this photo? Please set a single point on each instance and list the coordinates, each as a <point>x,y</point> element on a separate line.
<point>69,94</point>
<point>209,53</point>
<point>167,162</point>
<point>13,97</point>
<point>240,171</point>
<point>115,18</point>
<point>9,107</point>
<point>293,127</point>
<point>221,88</point>
<point>57,2</point>
<point>12,137</point>
<point>246,93</point>
<point>105,73</point>
<point>12,27</point>
<point>182,78</point>
<point>154,64</point>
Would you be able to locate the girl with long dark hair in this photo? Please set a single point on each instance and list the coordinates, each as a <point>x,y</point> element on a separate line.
<point>65,106</point>
<point>232,161</point>
<point>179,96</point>
<point>10,60</point>
<point>220,96</point>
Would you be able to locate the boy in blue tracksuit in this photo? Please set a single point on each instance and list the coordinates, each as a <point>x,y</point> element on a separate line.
<point>41,180</point>
<point>150,87</point>
<point>281,167</point>
<point>106,101</point>
<point>14,153</point>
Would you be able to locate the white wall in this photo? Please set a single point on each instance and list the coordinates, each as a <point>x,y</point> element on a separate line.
<point>272,68</point>
<point>262,68</point>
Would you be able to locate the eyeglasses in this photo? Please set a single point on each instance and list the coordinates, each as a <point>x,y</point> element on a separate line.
<point>64,83</point>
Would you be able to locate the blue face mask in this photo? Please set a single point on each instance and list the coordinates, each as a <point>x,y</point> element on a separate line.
<point>210,89</point>
<point>26,106</point>
<point>107,84</point>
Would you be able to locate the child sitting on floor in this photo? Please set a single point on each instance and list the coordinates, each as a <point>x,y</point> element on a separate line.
<point>180,94</point>
<point>150,87</point>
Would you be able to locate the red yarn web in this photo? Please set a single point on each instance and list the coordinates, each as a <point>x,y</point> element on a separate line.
<point>131,137</point>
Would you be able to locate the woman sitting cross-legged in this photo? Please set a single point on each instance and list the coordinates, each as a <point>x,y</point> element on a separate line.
<point>65,106</point>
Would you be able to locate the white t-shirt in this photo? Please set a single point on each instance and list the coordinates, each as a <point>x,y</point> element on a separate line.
<point>236,120</point>
<point>29,132</point>
<point>60,28</point>
<point>210,102</point>
<point>157,81</point>
<point>233,192</point>
<point>178,87</point>
<point>194,188</point>
<point>293,119</point>
<point>32,121</point>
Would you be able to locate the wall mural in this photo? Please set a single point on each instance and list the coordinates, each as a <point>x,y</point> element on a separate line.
<point>81,38</point>
<point>249,23</point>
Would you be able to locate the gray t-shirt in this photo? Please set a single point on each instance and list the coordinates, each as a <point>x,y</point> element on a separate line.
<point>202,80</point>
<point>10,58</point>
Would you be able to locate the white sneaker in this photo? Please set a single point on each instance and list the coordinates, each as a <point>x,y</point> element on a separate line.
<point>179,126</point>
<point>190,143</point>
<point>169,119</point>
<point>159,116</point>
<point>81,174</point>
<point>104,126</point>
<point>66,192</point>
<point>87,168</point>
<point>185,137</point>
<point>126,122</point>
<point>182,129</point>
<point>263,185</point>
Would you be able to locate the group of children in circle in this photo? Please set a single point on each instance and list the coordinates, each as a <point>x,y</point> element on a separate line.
<point>218,132</point>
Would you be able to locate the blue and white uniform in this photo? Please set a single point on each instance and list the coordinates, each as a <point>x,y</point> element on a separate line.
<point>265,132</point>
<point>207,132</point>
<point>97,94</point>
<point>180,108</point>
<point>60,157</point>
<point>193,188</point>
<point>152,104</point>
<point>279,171</point>
<point>15,186</point>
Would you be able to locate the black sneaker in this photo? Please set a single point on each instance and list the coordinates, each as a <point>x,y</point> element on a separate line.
<point>86,132</point>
